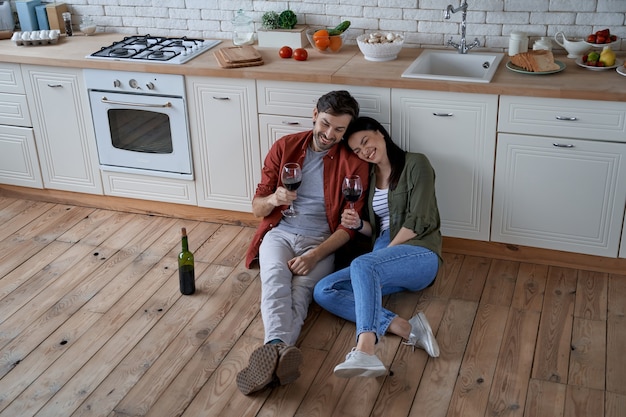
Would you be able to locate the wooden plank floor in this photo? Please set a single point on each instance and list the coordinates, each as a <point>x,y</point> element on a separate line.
<point>92,324</point>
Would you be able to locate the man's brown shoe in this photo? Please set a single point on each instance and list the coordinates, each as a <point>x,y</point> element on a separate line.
<point>289,361</point>
<point>260,370</point>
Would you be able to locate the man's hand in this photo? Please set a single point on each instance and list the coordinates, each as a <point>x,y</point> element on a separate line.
<point>262,206</point>
<point>282,196</point>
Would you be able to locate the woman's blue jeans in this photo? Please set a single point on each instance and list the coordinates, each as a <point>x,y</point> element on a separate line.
<point>355,293</point>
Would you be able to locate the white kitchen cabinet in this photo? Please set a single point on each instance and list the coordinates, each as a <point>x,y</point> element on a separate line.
<point>225,141</point>
<point>457,132</point>
<point>19,164</point>
<point>555,191</point>
<point>59,106</point>
<point>287,107</point>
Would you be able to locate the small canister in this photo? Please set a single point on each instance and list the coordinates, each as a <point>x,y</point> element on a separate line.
<point>518,43</point>
<point>543,43</point>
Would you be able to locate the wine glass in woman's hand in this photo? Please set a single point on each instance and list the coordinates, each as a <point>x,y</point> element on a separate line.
<point>352,189</point>
<point>291,176</point>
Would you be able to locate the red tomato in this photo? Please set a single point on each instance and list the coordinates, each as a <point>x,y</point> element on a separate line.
<point>285,52</point>
<point>300,54</point>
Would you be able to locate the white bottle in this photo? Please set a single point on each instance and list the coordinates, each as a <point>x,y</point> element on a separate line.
<point>543,43</point>
<point>518,43</point>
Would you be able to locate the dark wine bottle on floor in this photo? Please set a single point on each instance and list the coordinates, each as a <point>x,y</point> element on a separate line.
<point>186,274</point>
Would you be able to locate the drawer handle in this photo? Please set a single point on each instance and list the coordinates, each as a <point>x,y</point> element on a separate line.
<point>568,119</point>
<point>443,114</point>
<point>290,123</point>
<point>221,98</point>
<point>563,145</point>
<point>55,85</point>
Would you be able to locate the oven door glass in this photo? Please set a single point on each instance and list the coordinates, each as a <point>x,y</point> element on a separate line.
<point>141,132</point>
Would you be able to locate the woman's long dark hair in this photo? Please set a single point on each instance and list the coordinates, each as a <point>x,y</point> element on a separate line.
<point>394,152</point>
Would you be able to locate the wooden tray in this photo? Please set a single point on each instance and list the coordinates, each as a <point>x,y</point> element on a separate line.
<point>239,54</point>
<point>238,57</point>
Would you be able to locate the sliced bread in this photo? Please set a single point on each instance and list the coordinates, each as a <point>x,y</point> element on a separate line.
<point>535,61</point>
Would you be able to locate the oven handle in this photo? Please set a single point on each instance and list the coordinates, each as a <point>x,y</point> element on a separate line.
<point>123,103</point>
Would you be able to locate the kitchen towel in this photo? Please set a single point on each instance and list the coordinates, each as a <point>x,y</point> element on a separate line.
<point>27,15</point>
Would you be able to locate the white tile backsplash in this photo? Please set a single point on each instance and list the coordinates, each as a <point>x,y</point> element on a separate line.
<point>421,21</point>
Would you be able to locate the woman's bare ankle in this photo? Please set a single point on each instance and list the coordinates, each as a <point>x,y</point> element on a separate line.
<point>400,327</point>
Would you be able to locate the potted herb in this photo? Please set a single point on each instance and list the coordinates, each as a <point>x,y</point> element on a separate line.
<point>281,29</point>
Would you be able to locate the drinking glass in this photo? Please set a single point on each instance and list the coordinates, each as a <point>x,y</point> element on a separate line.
<point>291,176</point>
<point>352,189</point>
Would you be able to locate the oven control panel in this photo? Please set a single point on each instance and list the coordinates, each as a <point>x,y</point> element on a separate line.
<point>135,82</point>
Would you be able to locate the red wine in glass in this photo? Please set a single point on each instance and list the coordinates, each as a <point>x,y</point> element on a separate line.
<point>291,177</point>
<point>351,188</point>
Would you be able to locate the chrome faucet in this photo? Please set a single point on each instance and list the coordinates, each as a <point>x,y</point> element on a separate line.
<point>462,47</point>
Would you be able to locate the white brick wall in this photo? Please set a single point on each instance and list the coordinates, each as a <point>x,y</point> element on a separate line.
<point>421,21</point>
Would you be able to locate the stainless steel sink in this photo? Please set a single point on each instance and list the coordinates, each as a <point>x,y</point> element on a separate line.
<point>476,67</point>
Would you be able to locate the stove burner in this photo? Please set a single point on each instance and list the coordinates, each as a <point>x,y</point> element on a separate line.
<point>119,52</point>
<point>161,55</point>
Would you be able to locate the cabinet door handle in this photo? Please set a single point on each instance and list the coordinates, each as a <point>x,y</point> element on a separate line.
<point>221,98</point>
<point>563,145</point>
<point>290,123</point>
<point>566,118</point>
<point>55,85</point>
<point>443,114</point>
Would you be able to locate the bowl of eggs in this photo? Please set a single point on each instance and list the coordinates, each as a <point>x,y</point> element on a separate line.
<point>380,46</point>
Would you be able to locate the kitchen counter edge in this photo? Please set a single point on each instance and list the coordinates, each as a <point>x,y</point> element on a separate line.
<point>348,67</point>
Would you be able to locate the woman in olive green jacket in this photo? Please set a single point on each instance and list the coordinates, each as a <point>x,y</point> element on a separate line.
<point>404,225</point>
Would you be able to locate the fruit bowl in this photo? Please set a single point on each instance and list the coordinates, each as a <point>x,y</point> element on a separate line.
<point>380,46</point>
<point>581,63</point>
<point>322,42</point>
<point>602,45</point>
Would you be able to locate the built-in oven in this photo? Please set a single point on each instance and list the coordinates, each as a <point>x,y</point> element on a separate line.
<point>140,122</point>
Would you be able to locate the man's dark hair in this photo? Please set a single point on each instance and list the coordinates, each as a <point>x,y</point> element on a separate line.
<point>338,103</point>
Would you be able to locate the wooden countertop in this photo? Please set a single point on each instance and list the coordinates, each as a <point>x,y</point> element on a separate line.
<point>346,67</point>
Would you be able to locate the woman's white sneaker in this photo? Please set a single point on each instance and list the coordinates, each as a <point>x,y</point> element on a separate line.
<point>359,363</point>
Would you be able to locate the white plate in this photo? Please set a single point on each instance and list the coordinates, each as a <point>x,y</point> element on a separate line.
<point>601,45</point>
<point>521,70</point>
<point>621,71</point>
<point>618,63</point>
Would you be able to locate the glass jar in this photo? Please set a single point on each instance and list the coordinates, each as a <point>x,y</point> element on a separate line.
<point>543,43</point>
<point>243,29</point>
<point>518,43</point>
<point>87,25</point>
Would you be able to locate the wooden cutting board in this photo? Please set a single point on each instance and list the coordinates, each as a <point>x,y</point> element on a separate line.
<point>238,57</point>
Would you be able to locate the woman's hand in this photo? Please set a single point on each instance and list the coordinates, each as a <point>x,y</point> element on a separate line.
<point>350,219</point>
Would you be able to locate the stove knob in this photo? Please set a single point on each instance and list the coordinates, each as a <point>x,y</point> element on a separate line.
<point>117,83</point>
<point>150,86</point>
<point>133,83</point>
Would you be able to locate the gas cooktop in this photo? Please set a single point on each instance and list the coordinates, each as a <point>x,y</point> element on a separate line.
<point>154,49</point>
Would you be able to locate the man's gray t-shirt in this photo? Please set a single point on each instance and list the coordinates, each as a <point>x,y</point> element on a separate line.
<point>310,206</point>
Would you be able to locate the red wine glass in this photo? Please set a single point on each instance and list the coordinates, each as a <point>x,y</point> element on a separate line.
<point>291,176</point>
<point>352,189</point>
